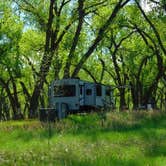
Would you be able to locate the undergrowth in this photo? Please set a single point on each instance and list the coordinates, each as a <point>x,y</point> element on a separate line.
<point>125,138</point>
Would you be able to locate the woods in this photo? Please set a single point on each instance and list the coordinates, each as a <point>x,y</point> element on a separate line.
<point>118,43</point>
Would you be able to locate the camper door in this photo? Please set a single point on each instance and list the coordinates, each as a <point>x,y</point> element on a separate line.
<point>89,94</point>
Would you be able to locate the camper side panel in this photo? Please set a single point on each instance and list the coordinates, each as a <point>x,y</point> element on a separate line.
<point>66,91</point>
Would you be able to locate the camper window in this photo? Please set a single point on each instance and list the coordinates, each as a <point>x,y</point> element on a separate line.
<point>108,91</point>
<point>89,92</point>
<point>64,91</point>
<point>98,90</point>
<point>81,89</point>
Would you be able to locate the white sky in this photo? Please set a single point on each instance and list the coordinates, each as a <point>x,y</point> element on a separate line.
<point>146,6</point>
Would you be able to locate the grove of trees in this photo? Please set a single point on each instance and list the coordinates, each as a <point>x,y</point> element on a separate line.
<point>118,42</point>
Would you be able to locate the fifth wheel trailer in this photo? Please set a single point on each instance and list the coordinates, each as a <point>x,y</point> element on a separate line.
<point>73,95</point>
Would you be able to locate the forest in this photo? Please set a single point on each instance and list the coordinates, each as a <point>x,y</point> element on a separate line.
<point>121,43</point>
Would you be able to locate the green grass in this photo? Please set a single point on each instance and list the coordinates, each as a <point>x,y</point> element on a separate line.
<point>134,139</point>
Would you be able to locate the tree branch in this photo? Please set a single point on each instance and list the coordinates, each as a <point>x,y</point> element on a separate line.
<point>152,26</point>
<point>98,38</point>
<point>75,39</point>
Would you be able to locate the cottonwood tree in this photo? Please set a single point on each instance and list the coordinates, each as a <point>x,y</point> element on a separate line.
<point>61,16</point>
<point>151,62</point>
<point>119,5</point>
<point>54,36</point>
<point>156,45</point>
<point>10,65</point>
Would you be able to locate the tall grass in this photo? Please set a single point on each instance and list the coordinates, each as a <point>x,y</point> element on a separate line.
<point>121,139</point>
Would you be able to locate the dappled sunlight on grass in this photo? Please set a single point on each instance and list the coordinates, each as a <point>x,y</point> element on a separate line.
<point>123,139</point>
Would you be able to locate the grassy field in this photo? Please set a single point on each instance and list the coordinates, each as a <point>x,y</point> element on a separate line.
<point>122,139</point>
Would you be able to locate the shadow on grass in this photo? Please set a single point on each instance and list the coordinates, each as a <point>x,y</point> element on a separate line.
<point>101,162</point>
<point>154,143</point>
<point>122,122</point>
<point>92,125</point>
<point>156,150</point>
<point>38,134</point>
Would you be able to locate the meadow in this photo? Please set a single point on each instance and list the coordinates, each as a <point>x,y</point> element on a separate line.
<point>135,138</point>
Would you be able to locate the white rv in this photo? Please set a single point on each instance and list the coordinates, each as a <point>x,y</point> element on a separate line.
<point>75,95</point>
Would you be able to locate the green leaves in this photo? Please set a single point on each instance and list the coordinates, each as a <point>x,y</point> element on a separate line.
<point>10,35</point>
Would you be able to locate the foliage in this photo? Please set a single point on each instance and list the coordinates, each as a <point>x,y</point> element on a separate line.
<point>10,35</point>
<point>117,43</point>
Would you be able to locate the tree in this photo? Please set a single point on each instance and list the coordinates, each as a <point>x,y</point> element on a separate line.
<point>10,66</point>
<point>55,35</point>
<point>120,4</point>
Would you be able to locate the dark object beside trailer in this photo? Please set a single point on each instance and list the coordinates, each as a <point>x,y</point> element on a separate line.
<point>47,114</point>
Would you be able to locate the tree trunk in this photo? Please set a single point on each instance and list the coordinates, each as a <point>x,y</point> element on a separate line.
<point>52,42</point>
<point>75,39</point>
<point>99,37</point>
<point>122,99</point>
<point>18,114</point>
<point>11,98</point>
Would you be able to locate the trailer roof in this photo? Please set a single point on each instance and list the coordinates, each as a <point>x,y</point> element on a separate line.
<point>65,79</point>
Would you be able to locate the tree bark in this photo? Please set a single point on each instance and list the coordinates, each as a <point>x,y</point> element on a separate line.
<point>99,37</point>
<point>10,96</point>
<point>52,42</point>
<point>75,39</point>
<point>18,114</point>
